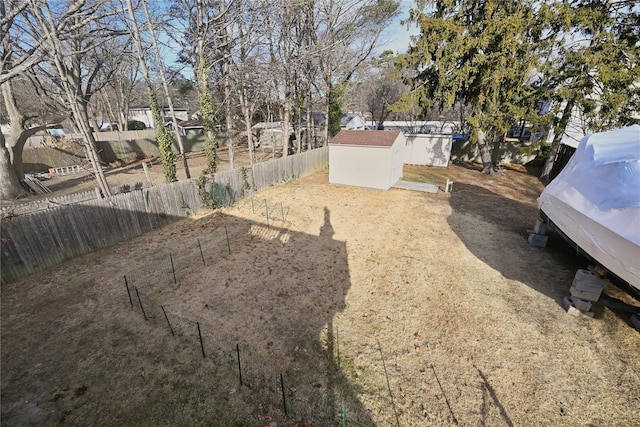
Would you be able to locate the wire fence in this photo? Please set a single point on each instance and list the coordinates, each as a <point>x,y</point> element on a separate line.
<point>289,391</point>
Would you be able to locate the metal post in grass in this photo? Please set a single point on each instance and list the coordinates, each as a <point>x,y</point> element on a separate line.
<point>200,336</point>
<point>266,208</point>
<point>338,346</point>
<point>168,323</point>
<point>282,211</point>
<point>141,307</point>
<point>284,401</point>
<point>344,417</point>
<point>253,210</point>
<point>226,231</point>
<point>173,269</point>
<point>384,366</point>
<point>239,365</point>
<point>201,254</point>
<point>126,283</point>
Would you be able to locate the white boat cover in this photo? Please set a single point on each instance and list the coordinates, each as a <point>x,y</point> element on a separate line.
<point>595,200</point>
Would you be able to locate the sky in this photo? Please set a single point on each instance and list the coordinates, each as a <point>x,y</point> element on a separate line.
<point>396,36</point>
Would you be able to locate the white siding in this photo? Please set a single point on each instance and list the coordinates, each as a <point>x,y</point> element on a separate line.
<point>360,166</point>
<point>427,150</point>
<point>396,159</point>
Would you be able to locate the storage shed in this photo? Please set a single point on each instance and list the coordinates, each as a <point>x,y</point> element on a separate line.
<point>427,150</point>
<point>363,158</point>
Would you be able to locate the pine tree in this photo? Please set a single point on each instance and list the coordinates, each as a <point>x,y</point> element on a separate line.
<point>482,53</point>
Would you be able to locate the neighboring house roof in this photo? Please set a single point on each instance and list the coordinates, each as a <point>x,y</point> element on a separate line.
<point>317,118</point>
<point>190,124</point>
<point>267,125</point>
<point>369,138</point>
<point>162,107</point>
<point>352,120</point>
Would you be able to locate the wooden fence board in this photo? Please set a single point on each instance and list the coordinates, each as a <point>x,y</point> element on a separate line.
<point>69,226</point>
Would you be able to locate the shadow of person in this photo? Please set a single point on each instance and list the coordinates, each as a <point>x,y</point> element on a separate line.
<point>326,231</point>
<point>263,299</point>
<point>275,297</point>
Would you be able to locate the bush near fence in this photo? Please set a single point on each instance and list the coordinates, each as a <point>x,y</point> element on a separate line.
<point>39,240</point>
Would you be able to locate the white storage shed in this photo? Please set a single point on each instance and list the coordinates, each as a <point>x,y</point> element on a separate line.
<point>366,158</point>
<point>427,150</point>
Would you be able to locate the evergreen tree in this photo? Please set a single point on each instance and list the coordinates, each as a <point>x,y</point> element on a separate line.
<point>482,53</point>
<point>593,70</point>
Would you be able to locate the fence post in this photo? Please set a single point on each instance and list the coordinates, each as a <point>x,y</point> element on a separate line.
<point>168,323</point>
<point>284,401</point>
<point>201,343</point>
<point>201,254</point>
<point>173,270</point>
<point>126,283</point>
<point>239,365</point>
<point>266,208</point>
<point>141,307</point>
<point>227,233</point>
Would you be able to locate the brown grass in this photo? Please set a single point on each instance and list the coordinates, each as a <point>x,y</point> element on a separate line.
<point>443,287</point>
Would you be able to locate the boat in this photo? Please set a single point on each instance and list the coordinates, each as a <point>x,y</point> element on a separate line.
<point>594,202</point>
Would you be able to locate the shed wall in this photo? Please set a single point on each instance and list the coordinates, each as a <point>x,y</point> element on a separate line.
<point>361,166</point>
<point>428,150</point>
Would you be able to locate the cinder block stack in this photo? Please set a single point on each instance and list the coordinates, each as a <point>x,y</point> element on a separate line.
<point>585,290</point>
<point>538,237</point>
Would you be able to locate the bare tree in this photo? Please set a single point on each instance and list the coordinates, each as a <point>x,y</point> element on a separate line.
<point>165,86</point>
<point>165,142</point>
<point>15,59</point>
<point>198,28</point>
<point>350,31</point>
<point>248,66</point>
<point>74,40</point>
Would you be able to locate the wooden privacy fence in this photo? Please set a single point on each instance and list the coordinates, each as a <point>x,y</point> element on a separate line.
<point>39,240</point>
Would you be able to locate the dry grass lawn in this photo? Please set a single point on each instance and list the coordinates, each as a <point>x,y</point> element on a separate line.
<point>386,308</point>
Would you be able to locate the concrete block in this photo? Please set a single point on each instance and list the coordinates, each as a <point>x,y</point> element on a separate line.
<point>585,295</point>
<point>540,227</point>
<point>572,310</point>
<point>575,312</point>
<point>538,240</point>
<point>587,285</point>
<point>581,304</point>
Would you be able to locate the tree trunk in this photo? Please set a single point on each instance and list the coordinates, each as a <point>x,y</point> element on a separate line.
<point>485,153</point>
<point>10,187</point>
<point>245,106</point>
<point>18,123</point>
<point>327,111</point>
<point>227,113</point>
<point>558,131</point>
<point>165,86</point>
<point>286,118</point>
<point>548,164</point>
<point>81,120</point>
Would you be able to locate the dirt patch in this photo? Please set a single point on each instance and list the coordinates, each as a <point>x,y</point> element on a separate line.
<point>388,308</point>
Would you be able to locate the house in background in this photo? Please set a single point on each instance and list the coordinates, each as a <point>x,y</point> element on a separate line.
<point>352,121</point>
<point>371,159</point>
<point>143,114</point>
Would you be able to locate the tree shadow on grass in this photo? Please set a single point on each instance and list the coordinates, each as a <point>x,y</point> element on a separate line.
<point>495,229</point>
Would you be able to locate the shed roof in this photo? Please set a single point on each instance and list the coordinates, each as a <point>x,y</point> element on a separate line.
<point>371,138</point>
